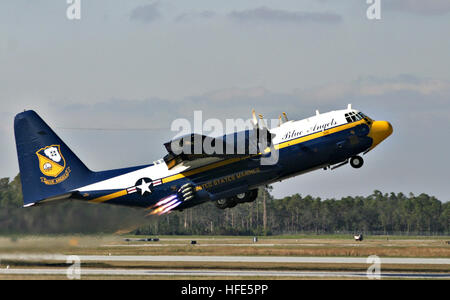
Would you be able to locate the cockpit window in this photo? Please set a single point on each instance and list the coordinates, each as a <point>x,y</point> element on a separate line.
<point>366,118</point>
<point>353,117</point>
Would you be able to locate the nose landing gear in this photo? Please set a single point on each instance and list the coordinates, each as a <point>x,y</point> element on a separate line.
<point>356,162</point>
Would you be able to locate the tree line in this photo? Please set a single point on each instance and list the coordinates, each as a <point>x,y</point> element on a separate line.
<point>377,213</point>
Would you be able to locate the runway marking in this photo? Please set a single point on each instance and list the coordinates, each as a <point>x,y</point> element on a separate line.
<point>243,259</point>
<point>216,273</point>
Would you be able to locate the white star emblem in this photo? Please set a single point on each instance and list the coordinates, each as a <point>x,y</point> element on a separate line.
<point>144,187</point>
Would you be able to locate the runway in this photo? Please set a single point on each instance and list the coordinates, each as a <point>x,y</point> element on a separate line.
<point>229,259</point>
<point>143,271</point>
<point>219,273</point>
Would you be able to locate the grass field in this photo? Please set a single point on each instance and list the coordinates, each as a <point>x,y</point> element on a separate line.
<point>323,246</point>
<point>279,246</point>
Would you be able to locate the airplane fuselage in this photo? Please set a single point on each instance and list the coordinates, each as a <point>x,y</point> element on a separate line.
<point>317,142</point>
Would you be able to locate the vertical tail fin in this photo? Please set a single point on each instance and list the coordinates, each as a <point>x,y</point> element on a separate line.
<point>48,168</point>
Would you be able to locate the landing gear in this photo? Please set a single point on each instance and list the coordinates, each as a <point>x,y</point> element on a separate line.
<point>225,203</point>
<point>240,197</point>
<point>356,162</point>
<point>231,202</point>
<point>248,196</point>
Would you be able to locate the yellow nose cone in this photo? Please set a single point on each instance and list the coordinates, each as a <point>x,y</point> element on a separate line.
<point>379,131</point>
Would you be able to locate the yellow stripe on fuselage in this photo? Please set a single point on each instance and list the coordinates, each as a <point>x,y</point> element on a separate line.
<point>109,197</point>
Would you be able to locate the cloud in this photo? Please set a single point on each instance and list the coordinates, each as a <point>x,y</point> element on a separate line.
<point>401,83</point>
<point>230,93</point>
<point>371,86</point>
<point>402,91</point>
<point>146,13</point>
<point>420,7</point>
<point>203,15</point>
<point>265,14</point>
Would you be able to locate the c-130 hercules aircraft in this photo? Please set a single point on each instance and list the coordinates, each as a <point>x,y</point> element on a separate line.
<point>50,171</point>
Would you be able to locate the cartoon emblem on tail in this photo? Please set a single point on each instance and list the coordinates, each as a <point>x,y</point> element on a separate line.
<point>52,164</point>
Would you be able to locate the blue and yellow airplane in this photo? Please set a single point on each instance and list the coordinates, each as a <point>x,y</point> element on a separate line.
<point>50,171</point>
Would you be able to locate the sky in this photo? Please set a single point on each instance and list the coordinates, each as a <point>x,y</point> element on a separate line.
<point>129,68</point>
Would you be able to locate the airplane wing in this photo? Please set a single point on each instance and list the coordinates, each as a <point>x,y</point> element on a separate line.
<point>196,150</point>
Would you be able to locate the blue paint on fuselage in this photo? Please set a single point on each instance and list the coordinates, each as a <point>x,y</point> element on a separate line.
<point>234,178</point>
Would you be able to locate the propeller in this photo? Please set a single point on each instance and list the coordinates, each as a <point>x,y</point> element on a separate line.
<point>254,119</point>
<point>264,140</point>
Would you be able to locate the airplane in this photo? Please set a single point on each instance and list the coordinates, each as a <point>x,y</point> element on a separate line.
<point>50,171</point>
